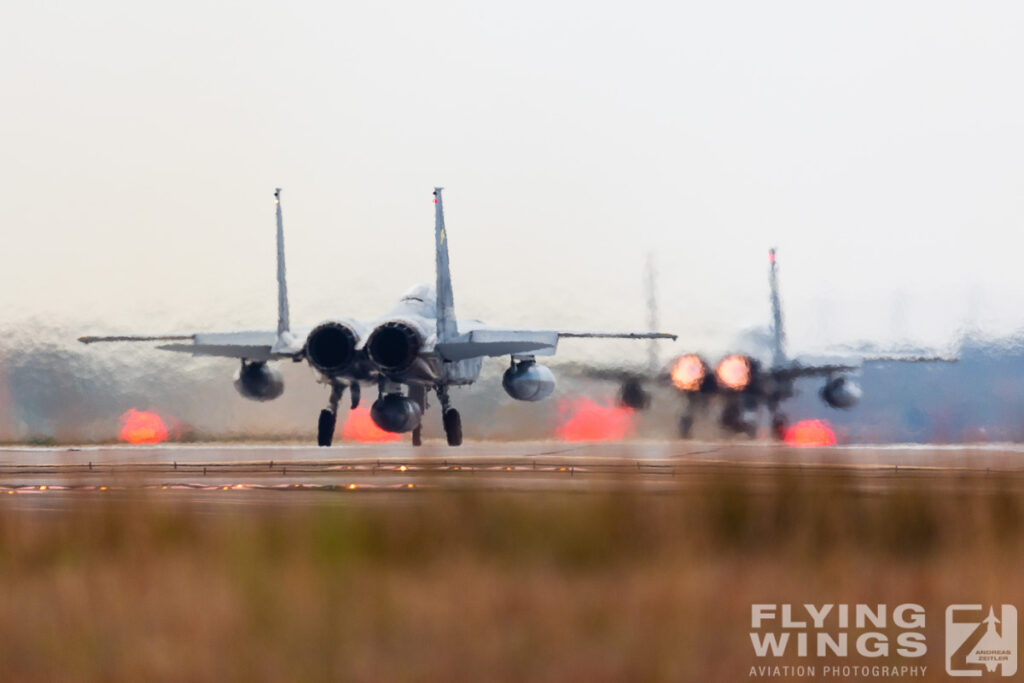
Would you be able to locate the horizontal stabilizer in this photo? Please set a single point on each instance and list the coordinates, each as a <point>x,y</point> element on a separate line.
<point>251,353</point>
<point>222,350</point>
<point>492,342</point>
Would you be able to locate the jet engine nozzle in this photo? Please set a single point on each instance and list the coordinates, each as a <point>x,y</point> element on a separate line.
<point>393,346</point>
<point>331,347</point>
<point>396,413</point>
<point>259,382</point>
<point>528,381</point>
<point>841,392</point>
<point>734,372</point>
<point>689,373</point>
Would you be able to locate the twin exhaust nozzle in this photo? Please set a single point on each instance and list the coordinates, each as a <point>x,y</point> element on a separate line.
<point>331,347</point>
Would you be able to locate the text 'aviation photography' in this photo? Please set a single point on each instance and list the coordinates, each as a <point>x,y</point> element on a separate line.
<point>660,342</point>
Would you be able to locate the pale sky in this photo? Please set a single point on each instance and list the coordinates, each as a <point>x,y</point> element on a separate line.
<point>878,145</point>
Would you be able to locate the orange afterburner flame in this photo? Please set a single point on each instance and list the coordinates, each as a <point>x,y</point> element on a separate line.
<point>584,419</point>
<point>811,433</point>
<point>734,372</point>
<point>359,426</point>
<point>688,372</point>
<point>141,426</point>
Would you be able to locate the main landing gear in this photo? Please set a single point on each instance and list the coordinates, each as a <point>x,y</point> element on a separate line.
<point>418,393</point>
<point>739,416</point>
<point>450,417</point>
<point>685,425</point>
<point>694,404</point>
<point>329,415</point>
<point>779,424</point>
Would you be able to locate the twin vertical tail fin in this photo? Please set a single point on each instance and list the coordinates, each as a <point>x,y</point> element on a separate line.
<point>778,331</point>
<point>653,361</point>
<point>283,322</point>
<point>447,329</point>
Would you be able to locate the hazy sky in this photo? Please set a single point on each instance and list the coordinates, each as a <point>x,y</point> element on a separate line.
<point>879,145</point>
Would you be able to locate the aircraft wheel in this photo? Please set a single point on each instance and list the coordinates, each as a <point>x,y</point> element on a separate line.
<point>632,395</point>
<point>325,427</point>
<point>685,425</point>
<point>453,427</point>
<point>417,436</point>
<point>731,418</point>
<point>779,424</point>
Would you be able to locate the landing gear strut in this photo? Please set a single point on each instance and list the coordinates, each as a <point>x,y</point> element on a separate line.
<point>692,404</point>
<point>685,425</point>
<point>737,417</point>
<point>418,393</point>
<point>329,415</point>
<point>450,417</point>
<point>779,424</point>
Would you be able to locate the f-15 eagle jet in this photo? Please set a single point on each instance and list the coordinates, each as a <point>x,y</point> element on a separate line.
<point>741,384</point>
<point>417,347</point>
<point>745,384</point>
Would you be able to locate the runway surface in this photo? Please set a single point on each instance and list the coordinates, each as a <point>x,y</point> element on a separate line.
<point>260,470</point>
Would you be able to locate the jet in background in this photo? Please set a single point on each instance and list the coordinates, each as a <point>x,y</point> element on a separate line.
<point>741,384</point>
<point>416,348</point>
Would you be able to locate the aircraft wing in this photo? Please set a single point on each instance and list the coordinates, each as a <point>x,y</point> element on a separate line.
<point>909,358</point>
<point>495,341</point>
<point>252,345</point>
<point>613,373</point>
<point>799,369</point>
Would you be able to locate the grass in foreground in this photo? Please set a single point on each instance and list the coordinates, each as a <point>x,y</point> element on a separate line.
<point>482,586</point>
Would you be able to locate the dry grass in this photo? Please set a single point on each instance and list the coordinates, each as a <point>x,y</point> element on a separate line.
<point>483,586</point>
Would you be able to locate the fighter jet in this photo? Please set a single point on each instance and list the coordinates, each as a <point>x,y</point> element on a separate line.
<point>741,384</point>
<point>416,348</point>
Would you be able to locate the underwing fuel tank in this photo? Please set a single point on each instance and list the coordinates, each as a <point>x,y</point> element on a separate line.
<point>841,392</point>
<point>259,382</point>
<point>528,381</point>
<point>396,413</point>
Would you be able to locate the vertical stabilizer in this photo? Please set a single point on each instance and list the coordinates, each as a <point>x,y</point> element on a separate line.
<point>283,323</point>
<point>778,331</point>
<point>447,329</point>
<point>652,315</point>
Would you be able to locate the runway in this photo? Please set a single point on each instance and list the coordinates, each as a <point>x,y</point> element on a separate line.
<point>261,469</point>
